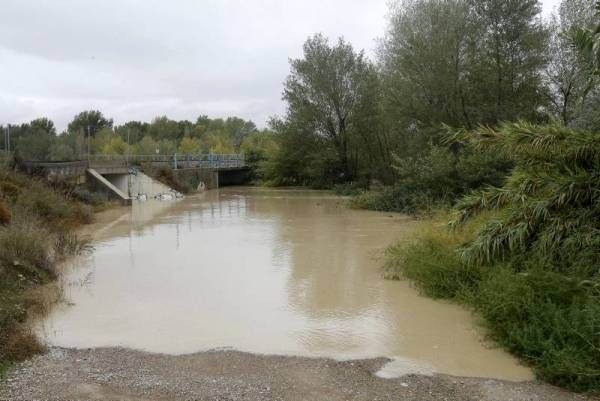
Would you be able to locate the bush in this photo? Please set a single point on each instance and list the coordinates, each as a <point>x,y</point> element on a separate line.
<point>435,180</point>
<point>549,320</point>
<point>85,195</point>
<point>4,213</point>
<point>25,243</point>
<point>546,317</point>
<point>397,199</point>
<point>349,189</point>
<point>433,263</point>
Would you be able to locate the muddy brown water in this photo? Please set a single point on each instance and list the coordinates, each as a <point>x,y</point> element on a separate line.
<point>269,271</point>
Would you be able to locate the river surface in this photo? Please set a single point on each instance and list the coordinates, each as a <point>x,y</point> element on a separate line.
<point>268,271</point>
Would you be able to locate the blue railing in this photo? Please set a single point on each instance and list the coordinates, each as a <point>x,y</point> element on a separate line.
<point>178,161</point>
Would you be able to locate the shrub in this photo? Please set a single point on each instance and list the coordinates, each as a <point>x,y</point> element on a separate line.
<point>4,214</point>
<point>397,199</point>
<point>9,190</point>
<point>19,344</point>
<point>436,179</point>
<point>85,195</point>
<point>45,203</point>
<point>550,320</point>
<point>550,205</point>
<point>349,189</point>
<point>433,263</point>
<point>26,243</point>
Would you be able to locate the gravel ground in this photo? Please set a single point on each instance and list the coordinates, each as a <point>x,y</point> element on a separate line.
<point>120,374</point>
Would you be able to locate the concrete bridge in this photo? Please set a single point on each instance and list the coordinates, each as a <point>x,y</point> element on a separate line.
<point>121,177</point>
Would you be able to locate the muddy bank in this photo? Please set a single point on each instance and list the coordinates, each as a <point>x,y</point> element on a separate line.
<point>119,374</point>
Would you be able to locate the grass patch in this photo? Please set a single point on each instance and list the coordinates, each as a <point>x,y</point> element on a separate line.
<point>551,320</point>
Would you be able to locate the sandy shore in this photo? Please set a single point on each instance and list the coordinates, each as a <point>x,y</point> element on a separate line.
<point>120,374</point>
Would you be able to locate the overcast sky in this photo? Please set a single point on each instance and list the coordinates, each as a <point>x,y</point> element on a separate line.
<point>136,59</point>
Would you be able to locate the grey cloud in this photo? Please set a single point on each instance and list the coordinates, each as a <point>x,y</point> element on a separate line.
<point>136,59</point>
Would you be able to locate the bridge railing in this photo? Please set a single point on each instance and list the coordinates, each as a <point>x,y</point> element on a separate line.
<point>178,160</point>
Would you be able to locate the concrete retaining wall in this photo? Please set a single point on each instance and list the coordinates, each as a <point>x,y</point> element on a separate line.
<point>139,184</point>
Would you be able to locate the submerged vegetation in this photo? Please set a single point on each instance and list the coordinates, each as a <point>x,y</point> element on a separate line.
<point>37,225</point>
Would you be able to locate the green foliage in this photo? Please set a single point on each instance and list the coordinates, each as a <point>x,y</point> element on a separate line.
<point>431,261</point>
<point>549,204</point>
<point>549,319</point>
<point>89,122</point>
<point>587,41</point>
<point>258,148</point>
<point>552,321</point>
<point>332,93</point>
<point>33,146</point>
<point>437,179</point>
<point>349,188</point>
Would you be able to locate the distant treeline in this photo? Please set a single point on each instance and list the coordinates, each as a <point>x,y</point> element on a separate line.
<point>38,139</point>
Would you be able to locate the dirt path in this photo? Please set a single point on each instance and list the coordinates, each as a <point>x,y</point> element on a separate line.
<point>118,374</point>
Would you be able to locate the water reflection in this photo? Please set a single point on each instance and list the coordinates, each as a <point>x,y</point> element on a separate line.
<point>262,270</point>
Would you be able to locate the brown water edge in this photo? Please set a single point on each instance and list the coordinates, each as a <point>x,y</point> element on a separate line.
<point>267,271</point>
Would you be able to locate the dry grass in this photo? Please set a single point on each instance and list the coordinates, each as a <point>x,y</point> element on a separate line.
<point>38,233</point>
<point>21,343</point>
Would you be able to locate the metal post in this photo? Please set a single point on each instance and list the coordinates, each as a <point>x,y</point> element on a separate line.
<point>8,138</point>
<point>127,153</point>
<point>88,143</point>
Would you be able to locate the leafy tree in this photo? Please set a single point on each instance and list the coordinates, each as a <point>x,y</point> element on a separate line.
<point>424,59</point>
<point>587,40</point>
<point>33,146</point>
<point>43,125</point>
<point>92,120</point>
<point>301,157</point>
<point>510,56</point>
<point>324,92</point>
<point>190,145</point>
<point>164,128</point>
<point>566,72</point>
<point>61,152</point>
<point>147,146</point>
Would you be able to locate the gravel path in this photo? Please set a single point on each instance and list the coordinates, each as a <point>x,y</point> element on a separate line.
<point>120,374</point>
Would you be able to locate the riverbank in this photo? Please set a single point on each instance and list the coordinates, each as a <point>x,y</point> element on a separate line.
<point>38,224</point>
<point>120,374</point>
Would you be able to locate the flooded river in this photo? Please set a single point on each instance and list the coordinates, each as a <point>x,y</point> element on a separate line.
<point>266,271</point>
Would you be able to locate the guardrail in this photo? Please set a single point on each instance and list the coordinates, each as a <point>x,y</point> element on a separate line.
<point>180,160</point>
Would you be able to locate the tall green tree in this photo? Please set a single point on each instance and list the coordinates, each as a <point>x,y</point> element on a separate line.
<point>43,125</point>
<point>424,60</point>
<point>511,53</point>
<point>325,91</point>
<point>92,120</point>
<point>567,73</point>
<point>587,40</point>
